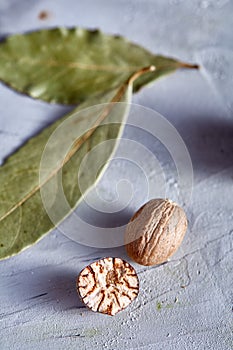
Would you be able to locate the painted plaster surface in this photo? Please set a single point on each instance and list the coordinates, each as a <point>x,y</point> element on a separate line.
<point>187,302</point>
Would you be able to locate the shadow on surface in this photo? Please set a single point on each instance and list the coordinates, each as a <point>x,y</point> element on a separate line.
<point>53,287</point>
<point>210,144</point>
<point>61,286</point>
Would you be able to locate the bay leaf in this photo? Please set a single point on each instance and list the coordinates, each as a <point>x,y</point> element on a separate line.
<point>23,218</point>
<point>67,66</point>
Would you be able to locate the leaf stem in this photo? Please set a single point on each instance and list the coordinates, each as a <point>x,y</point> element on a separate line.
<point>140,72</point>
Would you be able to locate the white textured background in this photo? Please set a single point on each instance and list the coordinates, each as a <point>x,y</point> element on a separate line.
<point>39,305</point>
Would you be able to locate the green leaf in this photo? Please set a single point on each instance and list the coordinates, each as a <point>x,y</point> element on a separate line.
<point>35,169</point>
<point>69,65</point>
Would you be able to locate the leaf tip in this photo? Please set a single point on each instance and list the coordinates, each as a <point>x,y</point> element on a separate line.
<point>189,65</point>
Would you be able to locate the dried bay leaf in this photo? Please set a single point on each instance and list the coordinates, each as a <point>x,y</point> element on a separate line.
<point>69,65</point>
<point>23,218</point>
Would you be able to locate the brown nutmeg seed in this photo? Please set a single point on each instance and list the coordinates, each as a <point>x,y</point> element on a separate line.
<point>108,285</point>
<point>155,232</point>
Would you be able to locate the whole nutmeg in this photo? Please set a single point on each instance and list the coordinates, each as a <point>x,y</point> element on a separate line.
<point>155,232</point>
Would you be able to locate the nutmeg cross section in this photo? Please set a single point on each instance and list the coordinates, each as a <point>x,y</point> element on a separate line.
<point>108,285</point>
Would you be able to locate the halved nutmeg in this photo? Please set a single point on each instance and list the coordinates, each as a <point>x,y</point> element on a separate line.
<point>108,285</point>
